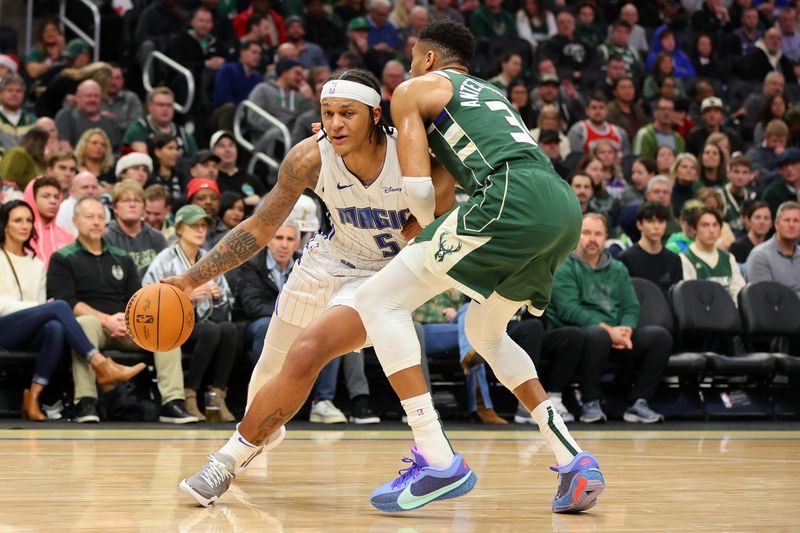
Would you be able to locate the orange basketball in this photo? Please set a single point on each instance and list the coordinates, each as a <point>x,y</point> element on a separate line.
<point>159,317</point>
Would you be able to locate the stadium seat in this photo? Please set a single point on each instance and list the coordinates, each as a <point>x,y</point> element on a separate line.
<point>654,310</point>
<point>771,312</point>
<point>704,309</point>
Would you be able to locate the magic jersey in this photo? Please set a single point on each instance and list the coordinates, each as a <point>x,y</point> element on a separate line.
<point>366,220</point>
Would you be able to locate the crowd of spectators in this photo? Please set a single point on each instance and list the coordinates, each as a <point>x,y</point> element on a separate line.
<point>677,124</point>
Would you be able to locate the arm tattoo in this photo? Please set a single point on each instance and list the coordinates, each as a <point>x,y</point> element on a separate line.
<point>299,170</point>
<point>235,248</point>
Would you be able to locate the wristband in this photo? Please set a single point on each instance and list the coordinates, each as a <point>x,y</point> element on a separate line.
<point>420,197</point>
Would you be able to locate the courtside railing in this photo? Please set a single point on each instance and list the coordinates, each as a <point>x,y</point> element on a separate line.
<point>239,118</point>
<point>174,65</point>
<point>94,42</point>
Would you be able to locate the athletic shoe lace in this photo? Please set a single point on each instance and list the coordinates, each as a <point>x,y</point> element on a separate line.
<point>215,473</point>
<point>407,473</point>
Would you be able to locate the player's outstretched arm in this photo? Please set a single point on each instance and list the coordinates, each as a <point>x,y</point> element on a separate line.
<point>299,170</point>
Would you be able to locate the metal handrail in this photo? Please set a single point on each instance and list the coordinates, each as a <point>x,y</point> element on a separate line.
<point>247,145</point>
<point>94,43</point>
<point>180,108</point>
<point>29,27</point>
<point>264,158</point>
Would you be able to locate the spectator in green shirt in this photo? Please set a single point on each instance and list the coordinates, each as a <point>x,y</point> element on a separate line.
<point>26,161</point>
<point>47,52</point>
<point>594,291</point>
<point>490,21</point>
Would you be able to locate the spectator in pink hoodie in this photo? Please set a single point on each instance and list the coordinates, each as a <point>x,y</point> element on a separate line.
<point>44,195</point>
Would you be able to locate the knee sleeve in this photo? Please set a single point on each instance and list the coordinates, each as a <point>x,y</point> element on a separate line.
<point>485,327</point>
<point>386,301</point>
<point>280,337</point>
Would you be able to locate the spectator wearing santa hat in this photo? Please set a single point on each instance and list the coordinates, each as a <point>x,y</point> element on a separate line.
<point>135,166</point>
<point>9,64</point>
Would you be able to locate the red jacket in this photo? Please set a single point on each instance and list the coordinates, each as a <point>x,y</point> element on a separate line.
<point>240,26</point>
<point>49,237</point>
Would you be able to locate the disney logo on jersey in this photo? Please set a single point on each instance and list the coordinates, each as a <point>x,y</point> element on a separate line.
<point>373,218</point>
<point>389,190</point>
<point>446,246</point>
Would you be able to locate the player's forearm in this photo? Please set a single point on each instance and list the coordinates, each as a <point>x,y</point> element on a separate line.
<point>237,246</point>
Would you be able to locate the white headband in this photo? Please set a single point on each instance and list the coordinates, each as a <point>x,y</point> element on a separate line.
<point>350,89</point>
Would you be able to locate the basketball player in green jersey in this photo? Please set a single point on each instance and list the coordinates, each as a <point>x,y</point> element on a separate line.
<point>500,247</point>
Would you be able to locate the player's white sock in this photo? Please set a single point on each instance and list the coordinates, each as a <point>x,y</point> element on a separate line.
<point>427,429</point>
<point>240,449</point>
<point>552,426</point>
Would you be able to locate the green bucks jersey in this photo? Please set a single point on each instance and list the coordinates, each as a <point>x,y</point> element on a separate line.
<point>479,131</point>
<point>721,273</point>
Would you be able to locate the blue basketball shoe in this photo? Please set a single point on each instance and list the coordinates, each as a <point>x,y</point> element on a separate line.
<point>579,484</point>
<point>420,484</point>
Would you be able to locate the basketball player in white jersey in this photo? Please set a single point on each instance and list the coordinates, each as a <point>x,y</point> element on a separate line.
<point>352,165</point>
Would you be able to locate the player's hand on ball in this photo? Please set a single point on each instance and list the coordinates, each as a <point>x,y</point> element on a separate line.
<point>181,282</point>
<point>411,228</point>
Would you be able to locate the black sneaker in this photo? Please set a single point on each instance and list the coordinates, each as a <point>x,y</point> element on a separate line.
<point>362,413</point>
<point>175,412</point>
<point>87,411</point>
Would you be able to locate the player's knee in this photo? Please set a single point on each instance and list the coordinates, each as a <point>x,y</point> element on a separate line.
<point>304,360</point>
<point>482,343</point>
<point>365,301</point>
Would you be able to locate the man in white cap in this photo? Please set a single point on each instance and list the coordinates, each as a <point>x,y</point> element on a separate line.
<point>134,166</point>
<point>712,113</point>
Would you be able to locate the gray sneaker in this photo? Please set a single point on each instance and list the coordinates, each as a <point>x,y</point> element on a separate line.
<point>641,412</point>
<point>210,483</point>
<point>522,416</point>
<point>566,416</point>
<point>592,412</point>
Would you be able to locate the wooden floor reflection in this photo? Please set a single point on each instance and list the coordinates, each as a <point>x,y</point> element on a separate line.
<point>125,480</point>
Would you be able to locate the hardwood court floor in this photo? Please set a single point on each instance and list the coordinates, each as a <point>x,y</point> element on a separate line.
<point>125,480</point>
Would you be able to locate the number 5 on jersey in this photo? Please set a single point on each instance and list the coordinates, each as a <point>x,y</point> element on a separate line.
<point>387,245</point>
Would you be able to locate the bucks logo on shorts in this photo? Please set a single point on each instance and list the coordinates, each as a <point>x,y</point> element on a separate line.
<point>446,246</point>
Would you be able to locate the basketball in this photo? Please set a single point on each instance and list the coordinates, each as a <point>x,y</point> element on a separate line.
<point>159,317</point>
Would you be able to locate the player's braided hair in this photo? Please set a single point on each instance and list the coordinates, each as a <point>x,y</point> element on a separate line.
<point>365,77</point>
<point>454,39</point>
